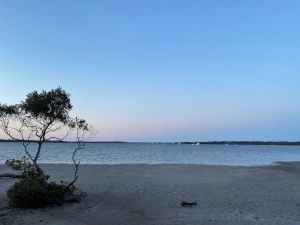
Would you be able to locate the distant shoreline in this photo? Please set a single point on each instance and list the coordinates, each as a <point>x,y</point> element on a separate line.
<point>242,143</point>
<point>184,142</point>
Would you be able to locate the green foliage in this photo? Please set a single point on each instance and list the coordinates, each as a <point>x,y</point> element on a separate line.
<point>53,105</point>
<point>17,164</point>
<point>33,191</point>
<point>8,109</point>
<point>81,124</point>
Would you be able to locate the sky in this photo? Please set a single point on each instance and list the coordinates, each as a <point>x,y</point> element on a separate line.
<point>160,70</point>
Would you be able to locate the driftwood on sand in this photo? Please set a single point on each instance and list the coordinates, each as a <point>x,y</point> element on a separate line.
<point>9,175</point>
<point>188,204</point>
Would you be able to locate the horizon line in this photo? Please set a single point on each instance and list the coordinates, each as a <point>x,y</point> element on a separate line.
<point>176,142</point>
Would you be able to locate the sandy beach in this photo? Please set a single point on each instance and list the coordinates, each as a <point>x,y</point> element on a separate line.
<point>151,194</point>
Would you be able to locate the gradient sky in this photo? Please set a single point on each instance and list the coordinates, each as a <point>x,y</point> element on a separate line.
<point>160,70</point>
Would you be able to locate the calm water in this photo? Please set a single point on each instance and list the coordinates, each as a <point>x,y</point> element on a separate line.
<point>159,153</point>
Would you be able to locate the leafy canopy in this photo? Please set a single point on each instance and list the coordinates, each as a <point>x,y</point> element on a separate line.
<point>50,106</point>
<point>53,105</point>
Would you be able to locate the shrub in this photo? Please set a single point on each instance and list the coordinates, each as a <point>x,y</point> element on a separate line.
<point>33,191</point>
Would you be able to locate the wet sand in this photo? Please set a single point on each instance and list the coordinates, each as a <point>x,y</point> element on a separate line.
<point>151,194</point>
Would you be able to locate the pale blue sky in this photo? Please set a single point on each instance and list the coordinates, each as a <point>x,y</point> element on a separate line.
<point>160,70</point>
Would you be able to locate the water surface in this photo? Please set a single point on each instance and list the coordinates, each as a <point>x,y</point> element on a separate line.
<point>147,153</point>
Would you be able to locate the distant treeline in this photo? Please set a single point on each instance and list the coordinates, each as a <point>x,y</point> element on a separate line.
<point>241,143</point>
<point>109,142</point>
<point>184,142</point>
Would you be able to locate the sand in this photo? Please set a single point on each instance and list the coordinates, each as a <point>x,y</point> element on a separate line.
<point>151,194</point>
